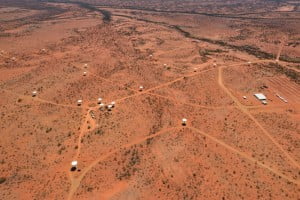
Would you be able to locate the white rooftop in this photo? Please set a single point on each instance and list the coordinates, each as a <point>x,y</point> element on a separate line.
<point>260,96</point>
<point>109,107</point>
<point>74,163</point>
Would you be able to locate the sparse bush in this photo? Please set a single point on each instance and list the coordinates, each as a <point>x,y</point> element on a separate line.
<point>2,180</point>
<point>293,75</point>
<point>48,130</point>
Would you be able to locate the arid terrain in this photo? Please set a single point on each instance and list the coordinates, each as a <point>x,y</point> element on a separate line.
<point>159,62</point>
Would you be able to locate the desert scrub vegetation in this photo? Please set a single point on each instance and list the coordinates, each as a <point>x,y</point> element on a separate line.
<point>292,74</point>
<point>2,180</point>
<point>99,132</point>
<point>290,59</point>
<point>130,167</point>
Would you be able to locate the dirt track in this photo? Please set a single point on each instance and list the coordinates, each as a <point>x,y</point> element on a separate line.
<point>76,181</point>
<point>140,147</point>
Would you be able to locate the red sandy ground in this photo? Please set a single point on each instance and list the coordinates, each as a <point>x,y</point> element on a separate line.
<point>231,148</point>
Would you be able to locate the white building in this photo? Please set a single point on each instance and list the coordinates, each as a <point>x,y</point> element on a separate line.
<point>184,121</point>
<point>79,102</point>
<point>113,104</point>
<point>141,88</point>
<point>74,163</point>
<point>109,107</point>
<point>102,106</point>
<point>34,93</point>
<point>260,96</point>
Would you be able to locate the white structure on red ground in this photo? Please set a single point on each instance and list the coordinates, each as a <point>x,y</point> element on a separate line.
<point>260,96</point>
<point>113,104</point>
<point>109,107</point>
<point>74,163</point>
<point>34,93</point>
<point>99,100</point>
<point>102,106</point>
<point>282,98</point>
<point>184,121</point>
<point>141,88</point>
<point>79,102</point>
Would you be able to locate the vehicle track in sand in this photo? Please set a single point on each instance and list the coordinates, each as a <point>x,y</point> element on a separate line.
<point>162,85</point>
<point>37,99</point>
<point>87,125</point>
<point>282,43</point>
<point>245,111</point>
<point>279,51</point>
<point>76,181</point>
<point>244,155</point>
<point>181,78</point>
<point>87,120</point>
<point>190,104</point>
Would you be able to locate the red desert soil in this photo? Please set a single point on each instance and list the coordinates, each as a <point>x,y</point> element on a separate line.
<point>200,60</point>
